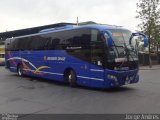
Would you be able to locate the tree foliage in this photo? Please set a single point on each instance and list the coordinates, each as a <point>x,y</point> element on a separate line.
<point>148,11</point>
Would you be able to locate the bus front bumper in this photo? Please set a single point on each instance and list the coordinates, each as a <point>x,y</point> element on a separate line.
<point>119,78</point>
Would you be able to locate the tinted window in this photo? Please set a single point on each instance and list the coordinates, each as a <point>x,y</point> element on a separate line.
<point>53,41</point>
<point>94,35</point>
<point>79,43</point>
<point>8,44</point>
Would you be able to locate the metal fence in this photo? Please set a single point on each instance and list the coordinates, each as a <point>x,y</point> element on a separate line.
<point>144,58</point>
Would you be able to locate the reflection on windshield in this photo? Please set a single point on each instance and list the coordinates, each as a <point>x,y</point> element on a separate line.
<point>121,37</point>
<point>121,49</point>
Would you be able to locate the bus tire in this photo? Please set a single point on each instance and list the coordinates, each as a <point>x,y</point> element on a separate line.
<point>71,78</point>
<point>20,70</point>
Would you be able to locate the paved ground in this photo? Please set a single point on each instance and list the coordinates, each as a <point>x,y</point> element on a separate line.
<point>31,95</point>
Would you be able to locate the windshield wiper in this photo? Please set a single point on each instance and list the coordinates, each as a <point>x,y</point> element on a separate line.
<point>116,48</point>
<point>128,54</point>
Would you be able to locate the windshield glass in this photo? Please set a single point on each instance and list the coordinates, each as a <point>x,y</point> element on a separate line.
<point>121,37</point>
<point>121,50</point>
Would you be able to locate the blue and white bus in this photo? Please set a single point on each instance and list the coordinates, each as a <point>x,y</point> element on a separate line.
<point>98,56</point>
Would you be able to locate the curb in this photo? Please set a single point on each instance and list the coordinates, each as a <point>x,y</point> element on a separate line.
<point>147,68</point>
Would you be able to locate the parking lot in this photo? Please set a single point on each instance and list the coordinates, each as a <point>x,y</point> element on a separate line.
<point>32,95</point>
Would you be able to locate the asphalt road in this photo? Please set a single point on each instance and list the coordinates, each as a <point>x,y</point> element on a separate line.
<point>32,95</point>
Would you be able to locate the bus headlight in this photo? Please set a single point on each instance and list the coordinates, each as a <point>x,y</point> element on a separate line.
<point>114,78</point>
<point>129,78</point>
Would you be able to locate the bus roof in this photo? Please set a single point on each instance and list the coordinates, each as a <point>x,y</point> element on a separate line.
<point>100,27</point>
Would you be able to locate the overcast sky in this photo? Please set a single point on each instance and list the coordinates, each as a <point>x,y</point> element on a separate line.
<point>19,14</point>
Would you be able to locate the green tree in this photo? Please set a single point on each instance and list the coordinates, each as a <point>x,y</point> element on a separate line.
<point>148,11</point>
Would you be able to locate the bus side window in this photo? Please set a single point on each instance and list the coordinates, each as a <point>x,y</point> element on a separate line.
<point>47,44</point>
<point>8,44</point>
<point>78,43</point>
<point>94,35</point>
<point>97,48</point>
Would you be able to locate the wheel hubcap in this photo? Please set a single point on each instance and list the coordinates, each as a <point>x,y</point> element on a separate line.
<point>69,77</point>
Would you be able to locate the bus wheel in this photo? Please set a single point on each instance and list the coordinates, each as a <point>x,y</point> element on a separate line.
<point>71,78</point>
<point>20,70</point>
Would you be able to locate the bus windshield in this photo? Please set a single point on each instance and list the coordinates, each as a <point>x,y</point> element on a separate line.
<point>121,50</point>
<point>121,37</point>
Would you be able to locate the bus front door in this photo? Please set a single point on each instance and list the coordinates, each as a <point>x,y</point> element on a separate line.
<point>97,60</point>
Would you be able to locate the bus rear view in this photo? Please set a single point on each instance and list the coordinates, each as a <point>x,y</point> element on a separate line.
<point>98,56</point>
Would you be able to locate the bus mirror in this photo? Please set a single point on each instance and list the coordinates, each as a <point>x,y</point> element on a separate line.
<point>108,36</point>
<point>145,41</point>
<point>140,34</point>
<point>110,41</point>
